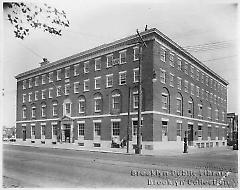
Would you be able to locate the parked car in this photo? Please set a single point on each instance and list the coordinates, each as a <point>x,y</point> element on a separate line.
<point>12,139</point>
<point>5,139</point>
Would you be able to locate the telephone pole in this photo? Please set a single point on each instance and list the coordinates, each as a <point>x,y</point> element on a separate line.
<point>139,135</point>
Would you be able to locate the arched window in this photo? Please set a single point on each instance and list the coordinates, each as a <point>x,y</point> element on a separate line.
<point>209,112</point>
<point>33,111</point>
<point>98,102</point>
<point>200,110</point>
<point>216,114</point>
<point>82,104</point>
<point>43,109</point>
<point>179,103</point>
<point>24,112</point>
<point>165,101</point>
<point>116,100</point>
<point>190,107</point>
<point>55,108</point>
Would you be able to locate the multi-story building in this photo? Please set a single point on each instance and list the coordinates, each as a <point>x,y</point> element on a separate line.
<point>83,99</point>
<point>232,128</point>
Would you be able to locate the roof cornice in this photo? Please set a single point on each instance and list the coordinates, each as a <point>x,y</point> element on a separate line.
<point>132,38</point>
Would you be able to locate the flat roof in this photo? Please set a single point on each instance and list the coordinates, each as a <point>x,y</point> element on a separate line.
<point>132,37</point>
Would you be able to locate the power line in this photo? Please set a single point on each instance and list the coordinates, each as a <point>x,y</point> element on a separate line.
<point>219,58</point>
<point>211,43</point>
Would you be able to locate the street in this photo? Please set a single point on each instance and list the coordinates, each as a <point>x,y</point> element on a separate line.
<point>45,167</point>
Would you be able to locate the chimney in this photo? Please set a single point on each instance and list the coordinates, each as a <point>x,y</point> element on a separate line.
<point>45,61</point>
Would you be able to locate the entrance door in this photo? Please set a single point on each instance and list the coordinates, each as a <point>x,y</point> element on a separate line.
<point>24,133</point>
<point>67,133</point>
<point>190,135</point>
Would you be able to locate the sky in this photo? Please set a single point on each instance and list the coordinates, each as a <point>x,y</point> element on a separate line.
<point>95,22</point>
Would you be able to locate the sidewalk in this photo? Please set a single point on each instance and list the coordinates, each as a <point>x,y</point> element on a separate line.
<point>162,152</point>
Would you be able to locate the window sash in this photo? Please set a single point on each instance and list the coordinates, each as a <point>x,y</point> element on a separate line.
<point>115,128</point>
<point>81,127</point>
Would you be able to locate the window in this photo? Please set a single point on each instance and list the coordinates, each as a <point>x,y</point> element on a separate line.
<point>216,115</point>
<point>200,110</point>
<point>203,94</point>
<point>24,84</point>
<point>197,91</point>
<point>50,78</point>
<point>23,98</point>
<point>59,74</point>
<point>223,116</point>
<point>192,71</point>
<point>165,103</point>
<point>211,97</point>
<point>24,112</point>
<point>59,91</point>
<point>122,77</point>
<point>30,83</point>
<point>81,105</point>
<point>109,80</point>
<point>135,126</point>
<point>186,86</point>
<point>97,83</point>
<point>192,88</point>
<point>76,70</point>
<point>179,129</point>
<point>50,92</point>
<point>30,96</point>
<point>116,101</point>
<point>215,85</point>
<point>98,104</point>
<point>179,64</point>
<point>217,131</point>
<point>179,106</point>
<point>211,81</point>
<point>76,87</point>
<point>86,85</point>
<point>97,129</point>
<point>209,113</point>
<point>171,83</point>
<point>54,129</point>
<point>207,80</point>
<point>43,111</point>
<point>135,53</point>
<point>68,108</point>
<point>164,128</point>
<point>115,128</point>
<point>81,129</point>
<point>190,108</point>
<point>136,75</point>
<point>163,54</point>
<point>33,112</point>
<point>36,95</point>
<point>202,77</point>
<point>43,94</point>
<point>209,131</point>
<point>215,99</point>
<point>33,130</point>
<point>171,59</point>
<point>67,89</point>
<point>197,75</point>
<point>44,79</point>
<point>86,67</point>
<point>43,130</point>
<point>123,56</point>
<point>109,60</point>
<point>186,68</point>
<point>207,95</point>
<point>200,132</point>
<point>135,99</point>
<point>67,72</point>
<point>179,83</point>
<point>36,81</point>
<point>55,109</point>
<point>98,64</point>
<point>162,76</point>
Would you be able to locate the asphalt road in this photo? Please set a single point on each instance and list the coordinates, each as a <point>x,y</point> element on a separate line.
<point>44,167</point>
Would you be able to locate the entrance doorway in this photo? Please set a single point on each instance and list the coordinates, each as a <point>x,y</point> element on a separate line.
<point>190,134</point>
<point>24,133</point>
<point>67,133</point>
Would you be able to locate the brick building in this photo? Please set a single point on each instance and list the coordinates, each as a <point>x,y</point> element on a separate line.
<point>83,99</point>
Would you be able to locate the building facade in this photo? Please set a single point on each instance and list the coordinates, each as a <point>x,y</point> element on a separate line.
<point>83,99</point>
<point>232,128</point>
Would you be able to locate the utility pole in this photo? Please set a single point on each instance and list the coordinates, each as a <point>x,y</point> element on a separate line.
<point>139,143</point>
